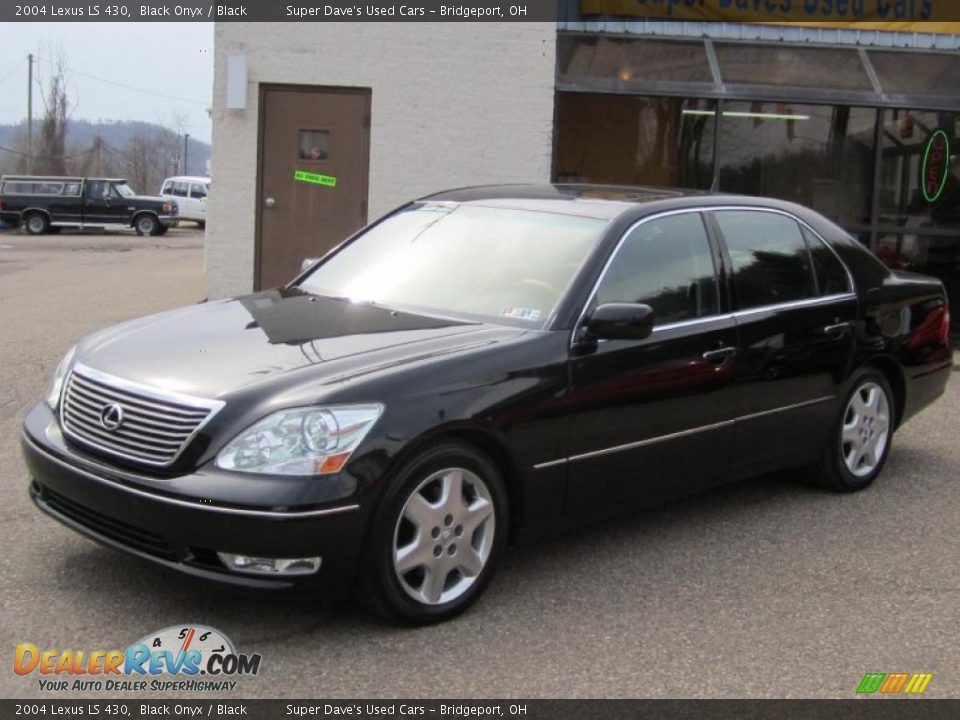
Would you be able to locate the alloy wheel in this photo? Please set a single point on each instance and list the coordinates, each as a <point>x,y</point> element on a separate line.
<point>866,429</point>
<point>444,536</point>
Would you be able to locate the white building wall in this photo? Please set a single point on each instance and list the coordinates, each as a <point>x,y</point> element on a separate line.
<point>453,104</point>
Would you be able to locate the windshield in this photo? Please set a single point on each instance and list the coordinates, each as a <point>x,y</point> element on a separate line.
<point>496,263</point>
<point>124,189</point>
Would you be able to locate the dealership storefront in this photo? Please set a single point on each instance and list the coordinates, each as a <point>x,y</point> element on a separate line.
<point>863,135</point>
<point>861,126</point>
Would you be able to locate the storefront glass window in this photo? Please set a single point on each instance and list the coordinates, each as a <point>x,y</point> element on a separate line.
<point>920,170</point>
<point>817,155</point>
<point>630,140</point>
<point>912,73</point>
<point>783,65</point>
<point>619,63</point>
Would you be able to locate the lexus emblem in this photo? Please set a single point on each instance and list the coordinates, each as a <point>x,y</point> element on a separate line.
<point>111,416</point>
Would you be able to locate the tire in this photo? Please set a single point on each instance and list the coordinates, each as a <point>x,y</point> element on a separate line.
<point>146,224</point>
<point>860,435</point>
<point>162,230</point>
<point>36,223</point>
<point>422,562</point>
<point>202,224</point>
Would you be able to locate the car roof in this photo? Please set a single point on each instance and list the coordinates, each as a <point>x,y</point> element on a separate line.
<point>198,178</point>
<point>597,201</point>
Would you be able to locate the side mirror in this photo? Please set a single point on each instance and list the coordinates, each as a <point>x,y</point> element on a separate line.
<point>308,263</point>
<point>621,321</point>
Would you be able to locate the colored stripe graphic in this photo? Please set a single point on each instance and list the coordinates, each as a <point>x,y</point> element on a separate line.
<point>918,683</point>
<point>871,682</point>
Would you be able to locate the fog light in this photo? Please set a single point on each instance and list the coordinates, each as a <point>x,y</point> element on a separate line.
<point>270,566</point>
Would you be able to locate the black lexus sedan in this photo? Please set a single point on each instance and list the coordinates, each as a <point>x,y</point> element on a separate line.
<point>479,363</point>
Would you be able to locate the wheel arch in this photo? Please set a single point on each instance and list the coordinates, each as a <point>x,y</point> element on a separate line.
<point>145,211</point>
<point>489,443</point>
<point>34,211</point>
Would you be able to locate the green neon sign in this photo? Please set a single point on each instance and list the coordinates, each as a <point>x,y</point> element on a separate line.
<point>315,178</point>
<point>935,168</point>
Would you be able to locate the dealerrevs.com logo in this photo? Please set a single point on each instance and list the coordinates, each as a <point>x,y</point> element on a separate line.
<point>894,683</point>
<point>178,658</point>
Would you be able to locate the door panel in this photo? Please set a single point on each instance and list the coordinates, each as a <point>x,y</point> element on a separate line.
<point>789,372</point>
<point>795,316</point>
<point>653,418</point>
<point>323,136</point>
<point>662,411</point>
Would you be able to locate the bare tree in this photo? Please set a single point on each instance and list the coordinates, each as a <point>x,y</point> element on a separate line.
<point>149,159</point>
<point>51,153</point>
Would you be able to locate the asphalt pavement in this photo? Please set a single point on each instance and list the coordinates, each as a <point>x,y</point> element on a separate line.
<point>764,589</point>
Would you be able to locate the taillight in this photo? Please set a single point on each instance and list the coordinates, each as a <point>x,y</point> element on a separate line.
<point>945,325</point>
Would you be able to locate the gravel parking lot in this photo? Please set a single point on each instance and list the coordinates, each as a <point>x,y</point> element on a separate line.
<point>765,589</point>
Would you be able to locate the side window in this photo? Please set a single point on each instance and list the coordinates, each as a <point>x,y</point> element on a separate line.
<point>113,193</point>
<point>198,190</point>
<point>666,264</point>
<point>97,190</point>
<point>167,188</point>
<point>771,263</point>
<point>832,278</point>
<point>180,188</point>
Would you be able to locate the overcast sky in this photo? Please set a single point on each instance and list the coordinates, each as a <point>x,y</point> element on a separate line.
<point>171,59</point>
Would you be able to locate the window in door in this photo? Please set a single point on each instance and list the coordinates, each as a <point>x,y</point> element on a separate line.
<point>180,188</point>
<point>771,262</point>
<point>667,264</point>
<point>832,276</point>
<point>198,190</point>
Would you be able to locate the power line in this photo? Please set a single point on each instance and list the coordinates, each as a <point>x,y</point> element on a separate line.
<point>11,73</point>
<point>127,87</point>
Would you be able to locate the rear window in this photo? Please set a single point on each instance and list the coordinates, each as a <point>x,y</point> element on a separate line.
<point>40,187</point>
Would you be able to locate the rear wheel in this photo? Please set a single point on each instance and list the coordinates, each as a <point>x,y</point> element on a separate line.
<point>37,223</point>
<point>146,224</point>
<point>861,435</point>
<point>435,543</point>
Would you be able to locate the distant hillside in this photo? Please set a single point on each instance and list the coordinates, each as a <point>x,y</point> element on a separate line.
<point>118,134</point>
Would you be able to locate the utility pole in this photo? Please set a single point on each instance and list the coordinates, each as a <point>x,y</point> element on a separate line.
<point>30,114</point>
<point>186,150</point>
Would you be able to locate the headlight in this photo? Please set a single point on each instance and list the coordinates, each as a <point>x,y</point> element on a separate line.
<point>300,441</point>
<point>56,383</point>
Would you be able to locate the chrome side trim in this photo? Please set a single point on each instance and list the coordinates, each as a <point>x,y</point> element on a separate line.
<point>293,515</point>
<point>213,406</point>
<point>681,433</point>
<point>795,406</point>
<point>809,302</point>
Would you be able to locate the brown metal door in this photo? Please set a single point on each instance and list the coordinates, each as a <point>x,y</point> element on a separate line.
<point>314,164</point>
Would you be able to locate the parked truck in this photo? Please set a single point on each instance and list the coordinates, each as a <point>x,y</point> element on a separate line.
<point>48,204</point>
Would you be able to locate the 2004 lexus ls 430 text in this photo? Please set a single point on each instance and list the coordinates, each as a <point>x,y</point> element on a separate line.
<point>480,362</point>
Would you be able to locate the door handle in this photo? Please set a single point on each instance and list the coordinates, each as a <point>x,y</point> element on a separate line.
<point>720,355</point>
<point>836,330</point>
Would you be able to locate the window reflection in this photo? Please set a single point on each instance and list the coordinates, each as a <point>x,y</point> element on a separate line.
<point>628,140</point>
<point>771,263</point>
<point>667,265</point>
<point>820,156</point>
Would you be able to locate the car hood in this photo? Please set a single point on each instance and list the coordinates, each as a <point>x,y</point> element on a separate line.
<point>212,349</point>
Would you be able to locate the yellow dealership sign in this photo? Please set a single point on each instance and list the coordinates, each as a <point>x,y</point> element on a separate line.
<point>929,16</point>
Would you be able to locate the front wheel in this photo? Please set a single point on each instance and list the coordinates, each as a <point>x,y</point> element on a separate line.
<point>861,435</point>
<point>435,543</point>
<point>146,225</point>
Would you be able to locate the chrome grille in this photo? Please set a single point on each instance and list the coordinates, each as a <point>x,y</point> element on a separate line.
<point>155,426</point>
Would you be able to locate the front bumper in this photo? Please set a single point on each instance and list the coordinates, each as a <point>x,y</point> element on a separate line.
<point>128,512</point>
<point>169,221</point>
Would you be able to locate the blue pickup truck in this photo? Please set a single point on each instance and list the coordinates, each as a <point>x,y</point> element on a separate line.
<point>48,204</point>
